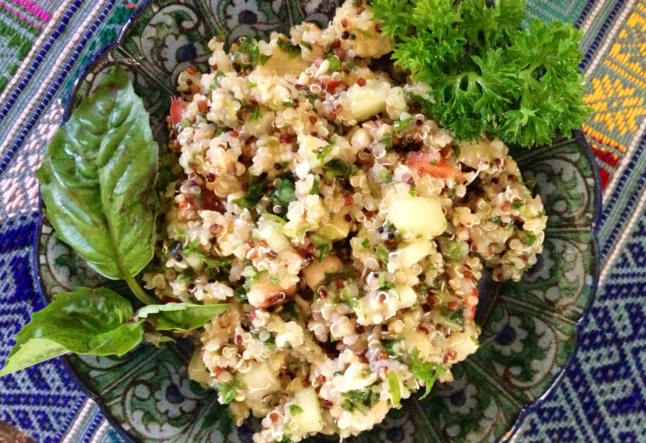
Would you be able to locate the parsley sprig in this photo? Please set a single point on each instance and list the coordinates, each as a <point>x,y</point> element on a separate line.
<point>491,70</point>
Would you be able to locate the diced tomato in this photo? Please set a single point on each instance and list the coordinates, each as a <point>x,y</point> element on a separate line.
<point>435,166</point>
<point>470,313</point>
<point>331,84</point>
<point>177,106</point>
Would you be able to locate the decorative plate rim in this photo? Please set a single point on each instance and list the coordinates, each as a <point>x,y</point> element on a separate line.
<point>525,410</point>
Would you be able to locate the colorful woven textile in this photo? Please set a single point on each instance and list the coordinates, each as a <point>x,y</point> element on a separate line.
<point>44,44</point>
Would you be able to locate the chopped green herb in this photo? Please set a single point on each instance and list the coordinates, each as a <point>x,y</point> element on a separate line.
<point>426,371</point>
<point>336,168</point>
<point>322,152</point>
<point>306,45</point>
<point>229,391</point>
<point>389,346</point>
<point>383,282</point>
<point>256,114</point>
<point>457,316</point>
<point>249,47</point>
<point>382,253</point>
<point>385,176</point>
<point>400,125</point>
<point>323,245</point>
<point>335,63</point>
<point>343,275</point>
<point>255,192</point>
<point>285,193</point>
<point>365,243</point>
<point>240,294</point>
<point>295,409</point>
<point>529,238</point>
<point>291,50</point>
<point>387,141</point>
<point>288,104</point>
<point>316,188</point>
<point>517,205</point>
<point>451,249</point>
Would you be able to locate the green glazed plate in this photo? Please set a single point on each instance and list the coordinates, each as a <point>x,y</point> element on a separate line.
<point>530,328</point>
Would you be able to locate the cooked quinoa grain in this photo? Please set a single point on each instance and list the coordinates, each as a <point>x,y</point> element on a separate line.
<point>346,230</point>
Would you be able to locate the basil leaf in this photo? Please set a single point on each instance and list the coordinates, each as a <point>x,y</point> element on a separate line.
<point>181,317</point>
<point>98,180</point>
<point>86,321</point>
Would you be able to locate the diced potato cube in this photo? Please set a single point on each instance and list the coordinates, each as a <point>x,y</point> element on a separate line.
<point>310,420</point>
<point>314,274</point>
<point>411,253</point>
<point>364,102</point>
<point>407,297</point>
<point>419,216</point>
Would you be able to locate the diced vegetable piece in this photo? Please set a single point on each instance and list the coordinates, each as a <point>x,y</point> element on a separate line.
<point>263,293</point>
<point>411,253</point>
<point>282,63</point>
<point>407,297</point>
<point>310,421</point>
<point>337,229</point>
<point>314,274</point>
<point>177,106</point>
<point>417,215</point>
<point>364,102</point>
<point>260,381</point>
<point>394,388</point>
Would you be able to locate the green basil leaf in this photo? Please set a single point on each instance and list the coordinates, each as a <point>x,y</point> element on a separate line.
<point>86,321</point>
<point>98,180</point>
<point>181,317</point>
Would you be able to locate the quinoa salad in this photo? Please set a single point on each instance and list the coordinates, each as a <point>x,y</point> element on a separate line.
<point>346,230</point>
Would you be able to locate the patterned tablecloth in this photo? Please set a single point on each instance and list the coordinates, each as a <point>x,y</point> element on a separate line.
<point>44,44</point>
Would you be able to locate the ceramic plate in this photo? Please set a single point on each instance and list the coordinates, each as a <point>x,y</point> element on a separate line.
<point>530,328</point>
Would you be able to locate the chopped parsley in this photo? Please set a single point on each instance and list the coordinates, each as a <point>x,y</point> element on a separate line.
<point>382,253</point>
<point>365,243</point>
<point>529,238</point>
<point>335,63</point>
<point>316,188</point>
<point>255,115</point>
<point>229,391</point>
<point>400,125</point>
<point>323,245</point>
<point>249,47</point>
<point>336,168</point>
<point>295,409</point>
<point>240,294</point>
<point>322,152</point>
<point>285,193</point>
<point>383,282</point>
<point>389,346</point>
<point>426,371</point>
<point>291,50</point>
<point>257,185</point>
<point>517,205</point>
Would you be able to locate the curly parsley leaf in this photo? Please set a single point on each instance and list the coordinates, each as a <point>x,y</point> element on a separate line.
<point>492,72</point>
